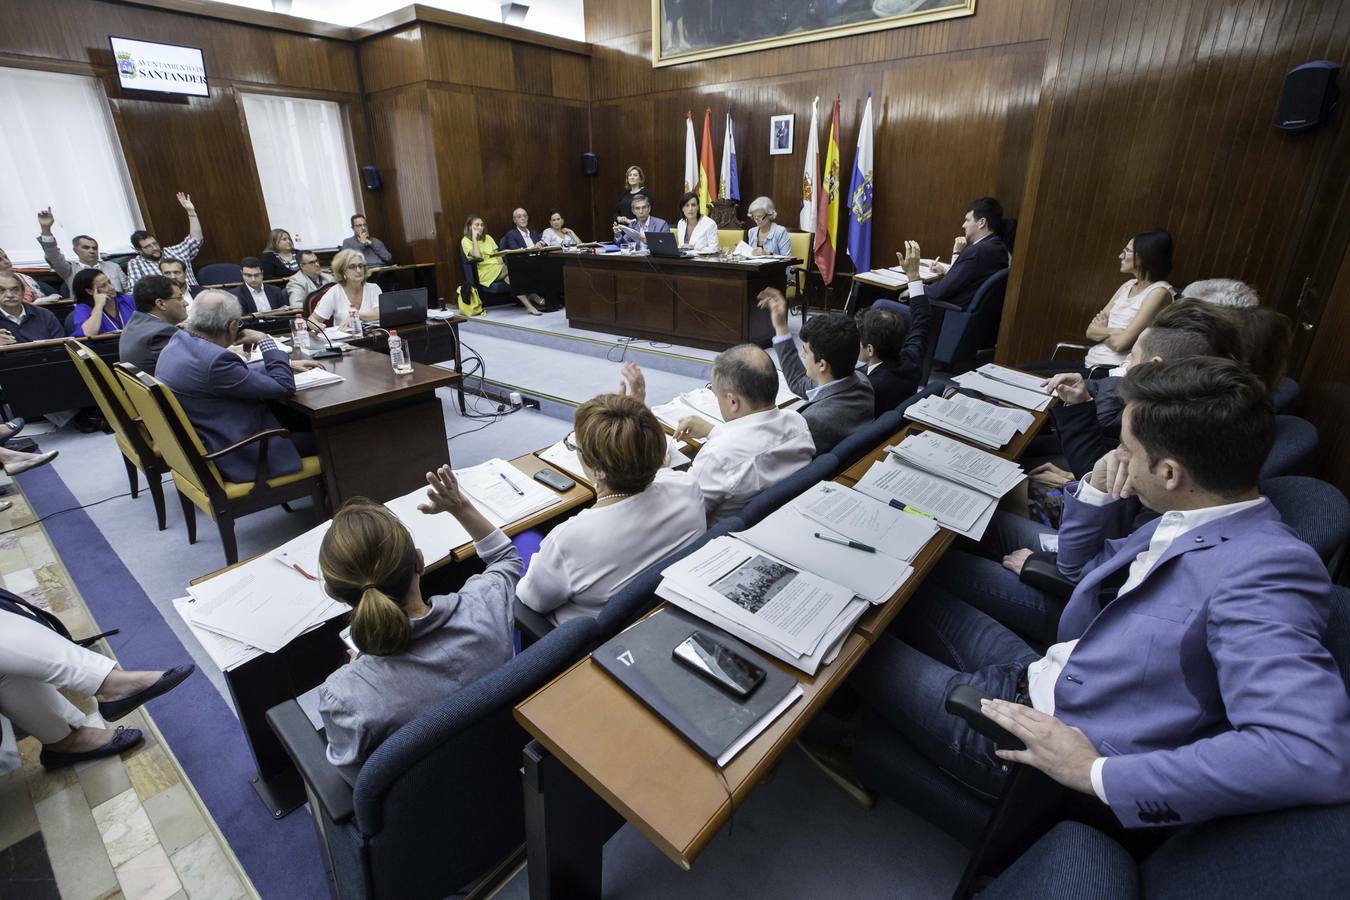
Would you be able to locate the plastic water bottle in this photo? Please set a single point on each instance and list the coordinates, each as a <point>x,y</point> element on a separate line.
<point>300,333</point>
<point>397,357</point>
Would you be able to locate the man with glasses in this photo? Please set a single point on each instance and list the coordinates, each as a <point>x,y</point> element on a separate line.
<point>160,308</point>
<point>149,253</point>
<point>86,255</point>
<point>309,279</point>
<point>23,322</point>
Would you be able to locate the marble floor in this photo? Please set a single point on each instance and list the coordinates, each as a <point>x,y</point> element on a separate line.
<point>129,826</point>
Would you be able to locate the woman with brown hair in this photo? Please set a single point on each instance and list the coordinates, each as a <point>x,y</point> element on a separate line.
<point>642,512</point>
<point>279,258</point>
<point>635,185</point>
<point>413,652</point>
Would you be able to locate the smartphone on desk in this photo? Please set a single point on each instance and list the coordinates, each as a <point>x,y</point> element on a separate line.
<point>718,663</point>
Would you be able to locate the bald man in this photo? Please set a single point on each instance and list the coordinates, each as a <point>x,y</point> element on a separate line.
<point>521,236</point>
<point>756,446</point>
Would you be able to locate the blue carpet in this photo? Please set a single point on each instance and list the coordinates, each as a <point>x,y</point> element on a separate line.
<point>282,858</point>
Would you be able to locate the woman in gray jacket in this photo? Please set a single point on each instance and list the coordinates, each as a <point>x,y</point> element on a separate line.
<point>412,652</point>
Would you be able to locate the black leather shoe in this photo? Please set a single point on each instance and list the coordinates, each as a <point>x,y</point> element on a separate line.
<point>124,739</point>
<point>112,710</point>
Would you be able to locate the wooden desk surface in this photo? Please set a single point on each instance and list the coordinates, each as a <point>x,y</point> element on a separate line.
<point>648,772</point>
<point>688,262</point>
<point>369,382</point>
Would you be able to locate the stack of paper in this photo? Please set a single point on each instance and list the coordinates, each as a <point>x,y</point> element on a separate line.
<point>962,463</point>
<point>956,508</point>
<point>560,457</point>
<point>226,653</point>
<point>793,615</point>
<point>858,517</point>
<point>435,534</point>
<point>895,276</point>
<point>703,403</point>
<point>1014,377</point>
<point>965,417</point>
<point>315,378</point>
<point>263,603</point>
<point>1036,399</point>
<point>788,534</point>
<point>502,491</point>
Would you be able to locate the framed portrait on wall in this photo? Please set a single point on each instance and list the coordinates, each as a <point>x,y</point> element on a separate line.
<point>689,30</point>
<point>780,135</point>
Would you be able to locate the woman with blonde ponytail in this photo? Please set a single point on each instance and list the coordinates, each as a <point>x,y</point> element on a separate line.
<point>413,652</point>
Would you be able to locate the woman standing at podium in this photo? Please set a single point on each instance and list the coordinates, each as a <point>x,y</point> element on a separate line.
<point>696,231</point>
<point>634,186</point>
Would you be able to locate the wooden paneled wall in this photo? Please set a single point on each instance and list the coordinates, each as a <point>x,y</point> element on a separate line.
<point>196,144</point>
<point>1160,114</point>
<point>954,106</point>
<point>468,123</point>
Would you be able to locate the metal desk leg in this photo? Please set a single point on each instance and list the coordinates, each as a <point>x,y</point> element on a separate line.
<point>566,826</point>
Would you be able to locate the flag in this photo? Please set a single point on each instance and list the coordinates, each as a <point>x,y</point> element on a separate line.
<point>707,185</point>
<point>827,209</point>
<point>860,196</point>
<point>730,184</point>
<point>810,176</point>
<point>690,155</point>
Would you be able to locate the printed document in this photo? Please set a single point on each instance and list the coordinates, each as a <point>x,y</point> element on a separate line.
<point>1001,390</point>
<point>960,509</point>
<point>1024,380</point>
<point>499,488</point>
<point>959,462</point>
<point>856,516</point>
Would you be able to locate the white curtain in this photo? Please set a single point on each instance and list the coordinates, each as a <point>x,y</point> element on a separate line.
<point>60,149</point>
<point>301,148</point>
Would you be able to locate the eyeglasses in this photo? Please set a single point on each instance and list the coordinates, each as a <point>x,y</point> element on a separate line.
<point>759,216</point>
<point>570,442</point>
<point>356,265</point>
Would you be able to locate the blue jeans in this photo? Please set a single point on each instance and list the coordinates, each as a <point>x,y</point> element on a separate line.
<point>974,572</point>
<point>905,682</point>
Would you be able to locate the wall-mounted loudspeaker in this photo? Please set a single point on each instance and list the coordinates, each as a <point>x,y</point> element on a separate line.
<point>589,164</point>
<point>370,177</point>
<point>1310,95</point>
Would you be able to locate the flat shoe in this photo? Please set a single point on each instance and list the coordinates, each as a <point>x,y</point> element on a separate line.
<point>40,460</point>
<point>112,710</point>
<point>123,739</point>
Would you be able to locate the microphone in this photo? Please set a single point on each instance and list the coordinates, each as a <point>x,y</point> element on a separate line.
<point>323,353</point>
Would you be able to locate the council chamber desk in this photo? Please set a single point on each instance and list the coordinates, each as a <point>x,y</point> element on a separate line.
<point>696,302</point>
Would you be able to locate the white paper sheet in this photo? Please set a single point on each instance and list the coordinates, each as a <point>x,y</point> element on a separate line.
<point>226,653</point>
<point>262,604</point>
<point>1025,380</point>
<point>895,533</point>
<point>316,378</point>
<point>1001,390</point>
<point>959,462</point>
<point>509,493</point>
<point>436,534</point>
<point>957,508</point>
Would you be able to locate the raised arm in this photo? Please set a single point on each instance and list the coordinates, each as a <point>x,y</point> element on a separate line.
<point>194,223</point>
<point>784,346</point>
<point>47,241</point>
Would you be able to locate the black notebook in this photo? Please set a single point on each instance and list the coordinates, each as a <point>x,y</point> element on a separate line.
<point>706,716</point>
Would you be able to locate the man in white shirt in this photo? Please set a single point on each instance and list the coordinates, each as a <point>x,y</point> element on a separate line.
<point>254,296</point>
<point>1190,680</point>
<point>756,446</point>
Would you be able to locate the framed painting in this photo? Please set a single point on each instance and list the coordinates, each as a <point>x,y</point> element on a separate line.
<point>689,30</point>
<point>780,134</point>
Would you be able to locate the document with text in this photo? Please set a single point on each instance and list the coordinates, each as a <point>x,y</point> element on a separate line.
<point>960,509</point>
<point>959,462</point>
<point>856,516</point>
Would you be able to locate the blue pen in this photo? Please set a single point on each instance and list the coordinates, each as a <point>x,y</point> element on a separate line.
<point>511,484</point>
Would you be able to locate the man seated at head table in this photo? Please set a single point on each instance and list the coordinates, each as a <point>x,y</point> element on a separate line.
<point>32,289</point>
<point>254,296</point>
<point>756,446</point>
<point>176,271</point>
<point>521,235</point>
<point>372,249</point>
<point>86,255</point>
<point>160,309</point>
<point>838,399</point>
<point>1190,680</point>
<point>642,513</point>
<point>23,322</point>
<point>226,398</point>
<point>309,279</point>
<point>642,223</point>
<point>978,253</point>
<point>149,253</point>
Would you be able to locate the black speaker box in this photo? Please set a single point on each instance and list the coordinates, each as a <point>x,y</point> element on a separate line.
<point>370,177</point>
<point>589,164</point>
<point>1310,95</point>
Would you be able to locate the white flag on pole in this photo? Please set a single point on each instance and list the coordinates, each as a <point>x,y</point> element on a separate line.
<point>690,154</point>
<point>810,175</point>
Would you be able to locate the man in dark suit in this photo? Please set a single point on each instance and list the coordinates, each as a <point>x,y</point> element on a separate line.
<point>159,308</point>
<point>522,235</point>
<point>838,399</point>
<point>891,355</point>
<point>982,253</point>
<point>224,397</point>
<point>253,295</point>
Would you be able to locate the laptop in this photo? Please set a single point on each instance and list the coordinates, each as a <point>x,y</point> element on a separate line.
<point>662,244</point>
<point>403,307</point>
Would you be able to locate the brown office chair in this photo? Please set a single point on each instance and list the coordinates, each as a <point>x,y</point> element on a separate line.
<point>194,470</point>
<point>728,238</point>
<point>138,448</point>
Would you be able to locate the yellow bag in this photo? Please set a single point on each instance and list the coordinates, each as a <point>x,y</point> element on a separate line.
<point>474,307</point>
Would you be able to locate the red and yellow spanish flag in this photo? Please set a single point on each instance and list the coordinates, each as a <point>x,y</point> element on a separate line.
<point>707,175</point>
<point>827,207</point>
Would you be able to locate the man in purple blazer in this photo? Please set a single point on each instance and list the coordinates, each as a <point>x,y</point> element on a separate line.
<point>1190,680</point>
<point>224,397</point>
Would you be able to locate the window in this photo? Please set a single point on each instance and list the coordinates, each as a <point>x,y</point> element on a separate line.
<point>304,165</point>
<point>60,149</point>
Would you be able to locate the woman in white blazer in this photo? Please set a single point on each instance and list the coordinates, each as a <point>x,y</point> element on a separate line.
<point>696,231</point>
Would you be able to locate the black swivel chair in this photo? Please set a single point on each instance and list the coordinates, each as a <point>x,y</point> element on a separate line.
<point>497,294</point>
<point>965,337</point>
<point>1295,444</point>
